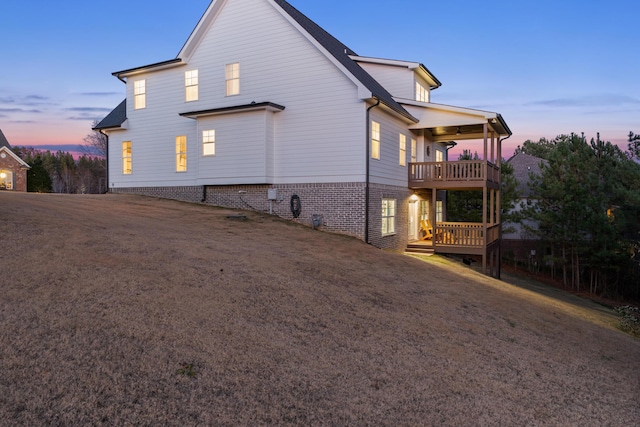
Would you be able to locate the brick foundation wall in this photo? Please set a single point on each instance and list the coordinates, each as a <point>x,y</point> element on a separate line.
<point>185,194</point>
<point>339,206</point>
<point>398,240</point>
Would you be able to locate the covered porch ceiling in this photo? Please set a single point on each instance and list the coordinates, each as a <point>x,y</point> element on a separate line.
<point>446,122</point>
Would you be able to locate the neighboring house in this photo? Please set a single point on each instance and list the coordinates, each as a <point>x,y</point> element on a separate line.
<point>263,109</point>
<point>13,170</point>
<point>521,244</point>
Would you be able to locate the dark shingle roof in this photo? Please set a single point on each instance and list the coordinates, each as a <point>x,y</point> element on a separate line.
<point>341,52</point>
<point>115,118</point>
<point>524,165</point>
<point>3,140</point>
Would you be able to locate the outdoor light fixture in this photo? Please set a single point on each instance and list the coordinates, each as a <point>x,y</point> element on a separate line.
<point>458,131</point>
<point>3,175</point>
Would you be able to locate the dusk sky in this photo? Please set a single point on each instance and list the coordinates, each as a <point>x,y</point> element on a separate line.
<point>549,66</point>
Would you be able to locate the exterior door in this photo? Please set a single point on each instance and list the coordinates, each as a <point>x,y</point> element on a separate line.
<point>412,221</point>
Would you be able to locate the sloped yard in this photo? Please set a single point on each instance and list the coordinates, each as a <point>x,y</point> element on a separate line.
<point>124,310</point>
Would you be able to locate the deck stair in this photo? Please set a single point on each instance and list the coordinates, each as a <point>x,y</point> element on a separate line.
<point>420,249</point>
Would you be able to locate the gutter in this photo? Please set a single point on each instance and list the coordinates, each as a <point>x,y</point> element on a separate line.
<point>367,174</point>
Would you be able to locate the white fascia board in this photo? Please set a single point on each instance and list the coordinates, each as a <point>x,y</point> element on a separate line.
<point>363,92</point>
<point>201,29</point>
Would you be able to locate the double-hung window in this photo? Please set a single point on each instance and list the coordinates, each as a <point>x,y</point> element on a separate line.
<point>375,140</point>
<point>191,85</point>
<point>181,153</point>
<point>403,150</point>
<point>232,72</point>
<point>139,94</point>
<point>388,216</point>
<point>126,157</point>
<point>209,142</point>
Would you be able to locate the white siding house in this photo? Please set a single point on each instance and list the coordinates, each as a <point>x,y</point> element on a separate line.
<point>268,100</point>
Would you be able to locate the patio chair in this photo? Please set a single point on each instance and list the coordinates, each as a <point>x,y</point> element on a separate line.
<point>425,225</point>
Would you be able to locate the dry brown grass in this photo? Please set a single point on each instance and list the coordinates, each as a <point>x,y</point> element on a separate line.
<point>105,301</point>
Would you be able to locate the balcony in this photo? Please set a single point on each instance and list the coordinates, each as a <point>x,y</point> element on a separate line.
<point>461,175</point>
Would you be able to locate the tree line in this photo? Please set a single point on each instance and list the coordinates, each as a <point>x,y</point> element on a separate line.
<point>586,210</point>
<point>59,172</point>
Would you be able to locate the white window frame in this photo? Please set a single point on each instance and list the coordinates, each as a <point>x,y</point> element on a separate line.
<point>422,93</point>
<point>140,94</point>
<point>388,217</point>
<point>127,158</point>
<point>375,140</point>
<point>209,142</point>
<point>191,85</point>
<point>414,150</point>
<point>181,153</point>
<point>403,149</point>
<point>6,179</point>
<point>232,78</point>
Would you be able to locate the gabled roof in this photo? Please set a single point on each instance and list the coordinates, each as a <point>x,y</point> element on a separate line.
<point>115,118</point>
<point>332,45</point>
<point>523,166</point>
<point>3,140</point>
<point>23,164</point>
<point>343,54</point>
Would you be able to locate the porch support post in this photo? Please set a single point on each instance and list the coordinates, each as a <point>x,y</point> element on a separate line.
<point>492,207</point>
<point>484,226</point>
<point>485,130</point>
<point>432,214</point>
<point>493,141</point>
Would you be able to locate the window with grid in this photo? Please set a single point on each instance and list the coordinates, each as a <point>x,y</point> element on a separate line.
<point>126,157</point>
<point>191,85</point>
<point>181,153</point>
<point>422,93</point>
<point>232,72</point>
<point>414,150</point>
<point>139,94</point>
<point>208,142</point>
<point>375,140</point>
<point>403,150</point>
<point>388,216</point>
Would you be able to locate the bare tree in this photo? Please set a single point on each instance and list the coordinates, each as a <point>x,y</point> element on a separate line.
<point>95,143</point>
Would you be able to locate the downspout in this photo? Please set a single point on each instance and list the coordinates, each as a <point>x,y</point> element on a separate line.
<point>367,173</point>
<point>106,161</point>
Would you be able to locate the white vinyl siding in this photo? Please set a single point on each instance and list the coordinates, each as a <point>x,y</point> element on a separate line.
<point>399,81</point>
<point>388,170</point>
<point>308,142</point>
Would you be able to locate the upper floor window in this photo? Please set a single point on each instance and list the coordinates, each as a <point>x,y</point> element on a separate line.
<point>388,216</point>
<point>414,150</point>
<point>232,72</point>
<point>139,94</point>
<point>209,142</point>
<point>403,150</point>
<point>181,153</point>
<point>422,93</point>
<point>126,157</point>
<point>191,85</point>
<point>375,140</point>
